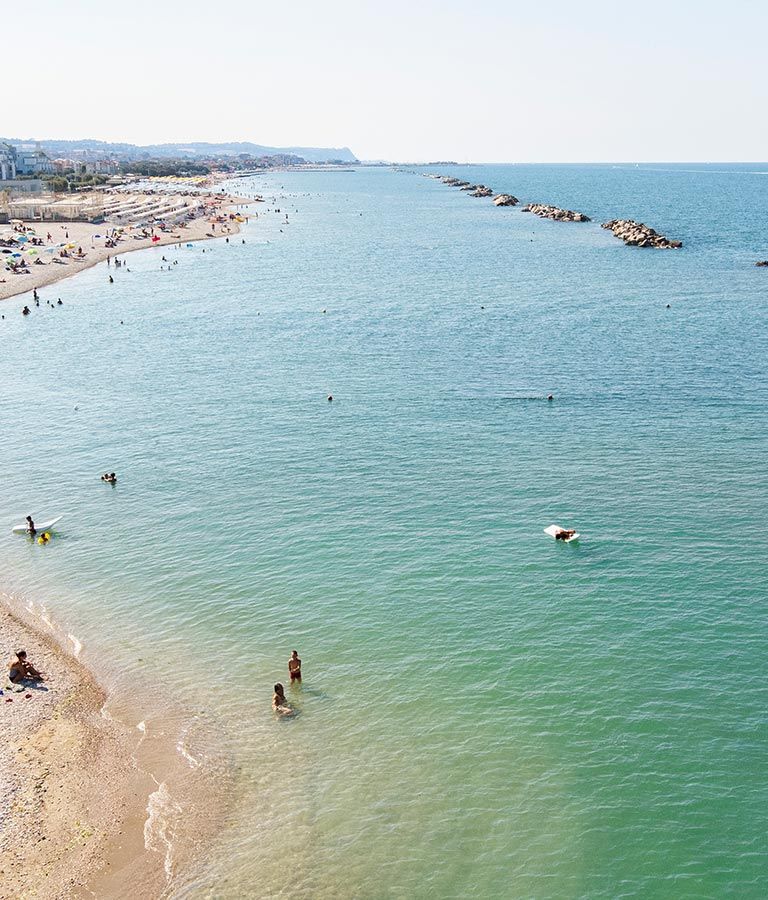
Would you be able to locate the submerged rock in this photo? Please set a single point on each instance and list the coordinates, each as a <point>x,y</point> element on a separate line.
<point>543,211</point>
<point>636,234</point>
<point>505,200</point>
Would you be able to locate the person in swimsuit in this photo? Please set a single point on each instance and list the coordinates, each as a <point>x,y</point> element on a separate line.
<point>294,666</point>
<point>279,702</point>
<point>31,526</point>
<point>21,669</point>
<point>564,534</point>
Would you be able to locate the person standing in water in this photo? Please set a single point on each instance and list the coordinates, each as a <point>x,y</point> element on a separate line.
<point>294,666</point>
<point>31,526</point>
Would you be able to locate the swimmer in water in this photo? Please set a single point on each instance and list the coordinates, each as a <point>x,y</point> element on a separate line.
<point>279,703</point>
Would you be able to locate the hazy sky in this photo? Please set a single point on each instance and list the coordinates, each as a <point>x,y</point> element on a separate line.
<point>479,80</point>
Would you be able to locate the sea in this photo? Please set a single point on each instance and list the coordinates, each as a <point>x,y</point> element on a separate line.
<point>485,712</point>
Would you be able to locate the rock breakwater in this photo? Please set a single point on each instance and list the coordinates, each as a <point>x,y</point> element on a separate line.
<point>636,234</point>
<point>543,211</point>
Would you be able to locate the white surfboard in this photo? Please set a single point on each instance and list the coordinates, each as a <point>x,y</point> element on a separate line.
<point>554,529</point>
<point>40,527</point>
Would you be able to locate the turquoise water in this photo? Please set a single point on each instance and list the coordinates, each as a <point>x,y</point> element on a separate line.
<point>484,712</point>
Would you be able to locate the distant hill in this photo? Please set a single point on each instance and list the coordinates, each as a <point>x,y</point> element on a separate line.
<point>192,150</point>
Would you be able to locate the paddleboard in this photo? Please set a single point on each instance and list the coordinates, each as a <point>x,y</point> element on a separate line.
<point>553,530</point>
<point>40,527</point>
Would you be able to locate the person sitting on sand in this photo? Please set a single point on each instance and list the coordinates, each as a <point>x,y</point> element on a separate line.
<point>279,703</point>
<point>564,534</point>
<point>23,670</point>
<point>294,666</point>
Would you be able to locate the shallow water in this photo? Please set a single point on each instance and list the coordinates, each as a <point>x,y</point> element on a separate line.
<point>484,712</point>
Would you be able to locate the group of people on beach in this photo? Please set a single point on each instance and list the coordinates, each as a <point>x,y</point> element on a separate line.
<point>280,702</point>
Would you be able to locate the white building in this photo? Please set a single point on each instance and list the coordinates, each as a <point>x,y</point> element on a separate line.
<point>7,162</point>
<point>31,159</point>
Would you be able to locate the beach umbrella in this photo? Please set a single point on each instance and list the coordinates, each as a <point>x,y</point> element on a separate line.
<point>16,255</point>
<point>32,252</point>
<point>22,239</point>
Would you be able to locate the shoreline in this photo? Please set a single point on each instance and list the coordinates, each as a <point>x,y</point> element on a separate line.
<point>82,234</point>
<point>85,806</point>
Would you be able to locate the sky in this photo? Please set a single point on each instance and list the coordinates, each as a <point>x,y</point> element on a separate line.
<point>472,81</point>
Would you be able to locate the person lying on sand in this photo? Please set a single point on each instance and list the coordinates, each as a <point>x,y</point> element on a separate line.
<point>279,703</point>
<point>23,670</point>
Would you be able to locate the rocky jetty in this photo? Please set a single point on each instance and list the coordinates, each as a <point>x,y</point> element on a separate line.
<point>543,211</point>
<point>505,200</point>
<point>450,181</point>
<point>481,191</point>
<point>635,234</point>
<point>763,264</point>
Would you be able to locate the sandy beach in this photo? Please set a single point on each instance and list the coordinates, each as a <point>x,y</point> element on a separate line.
<point>79,815</point>
<point>67,781</point>
<point>91,238</point>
